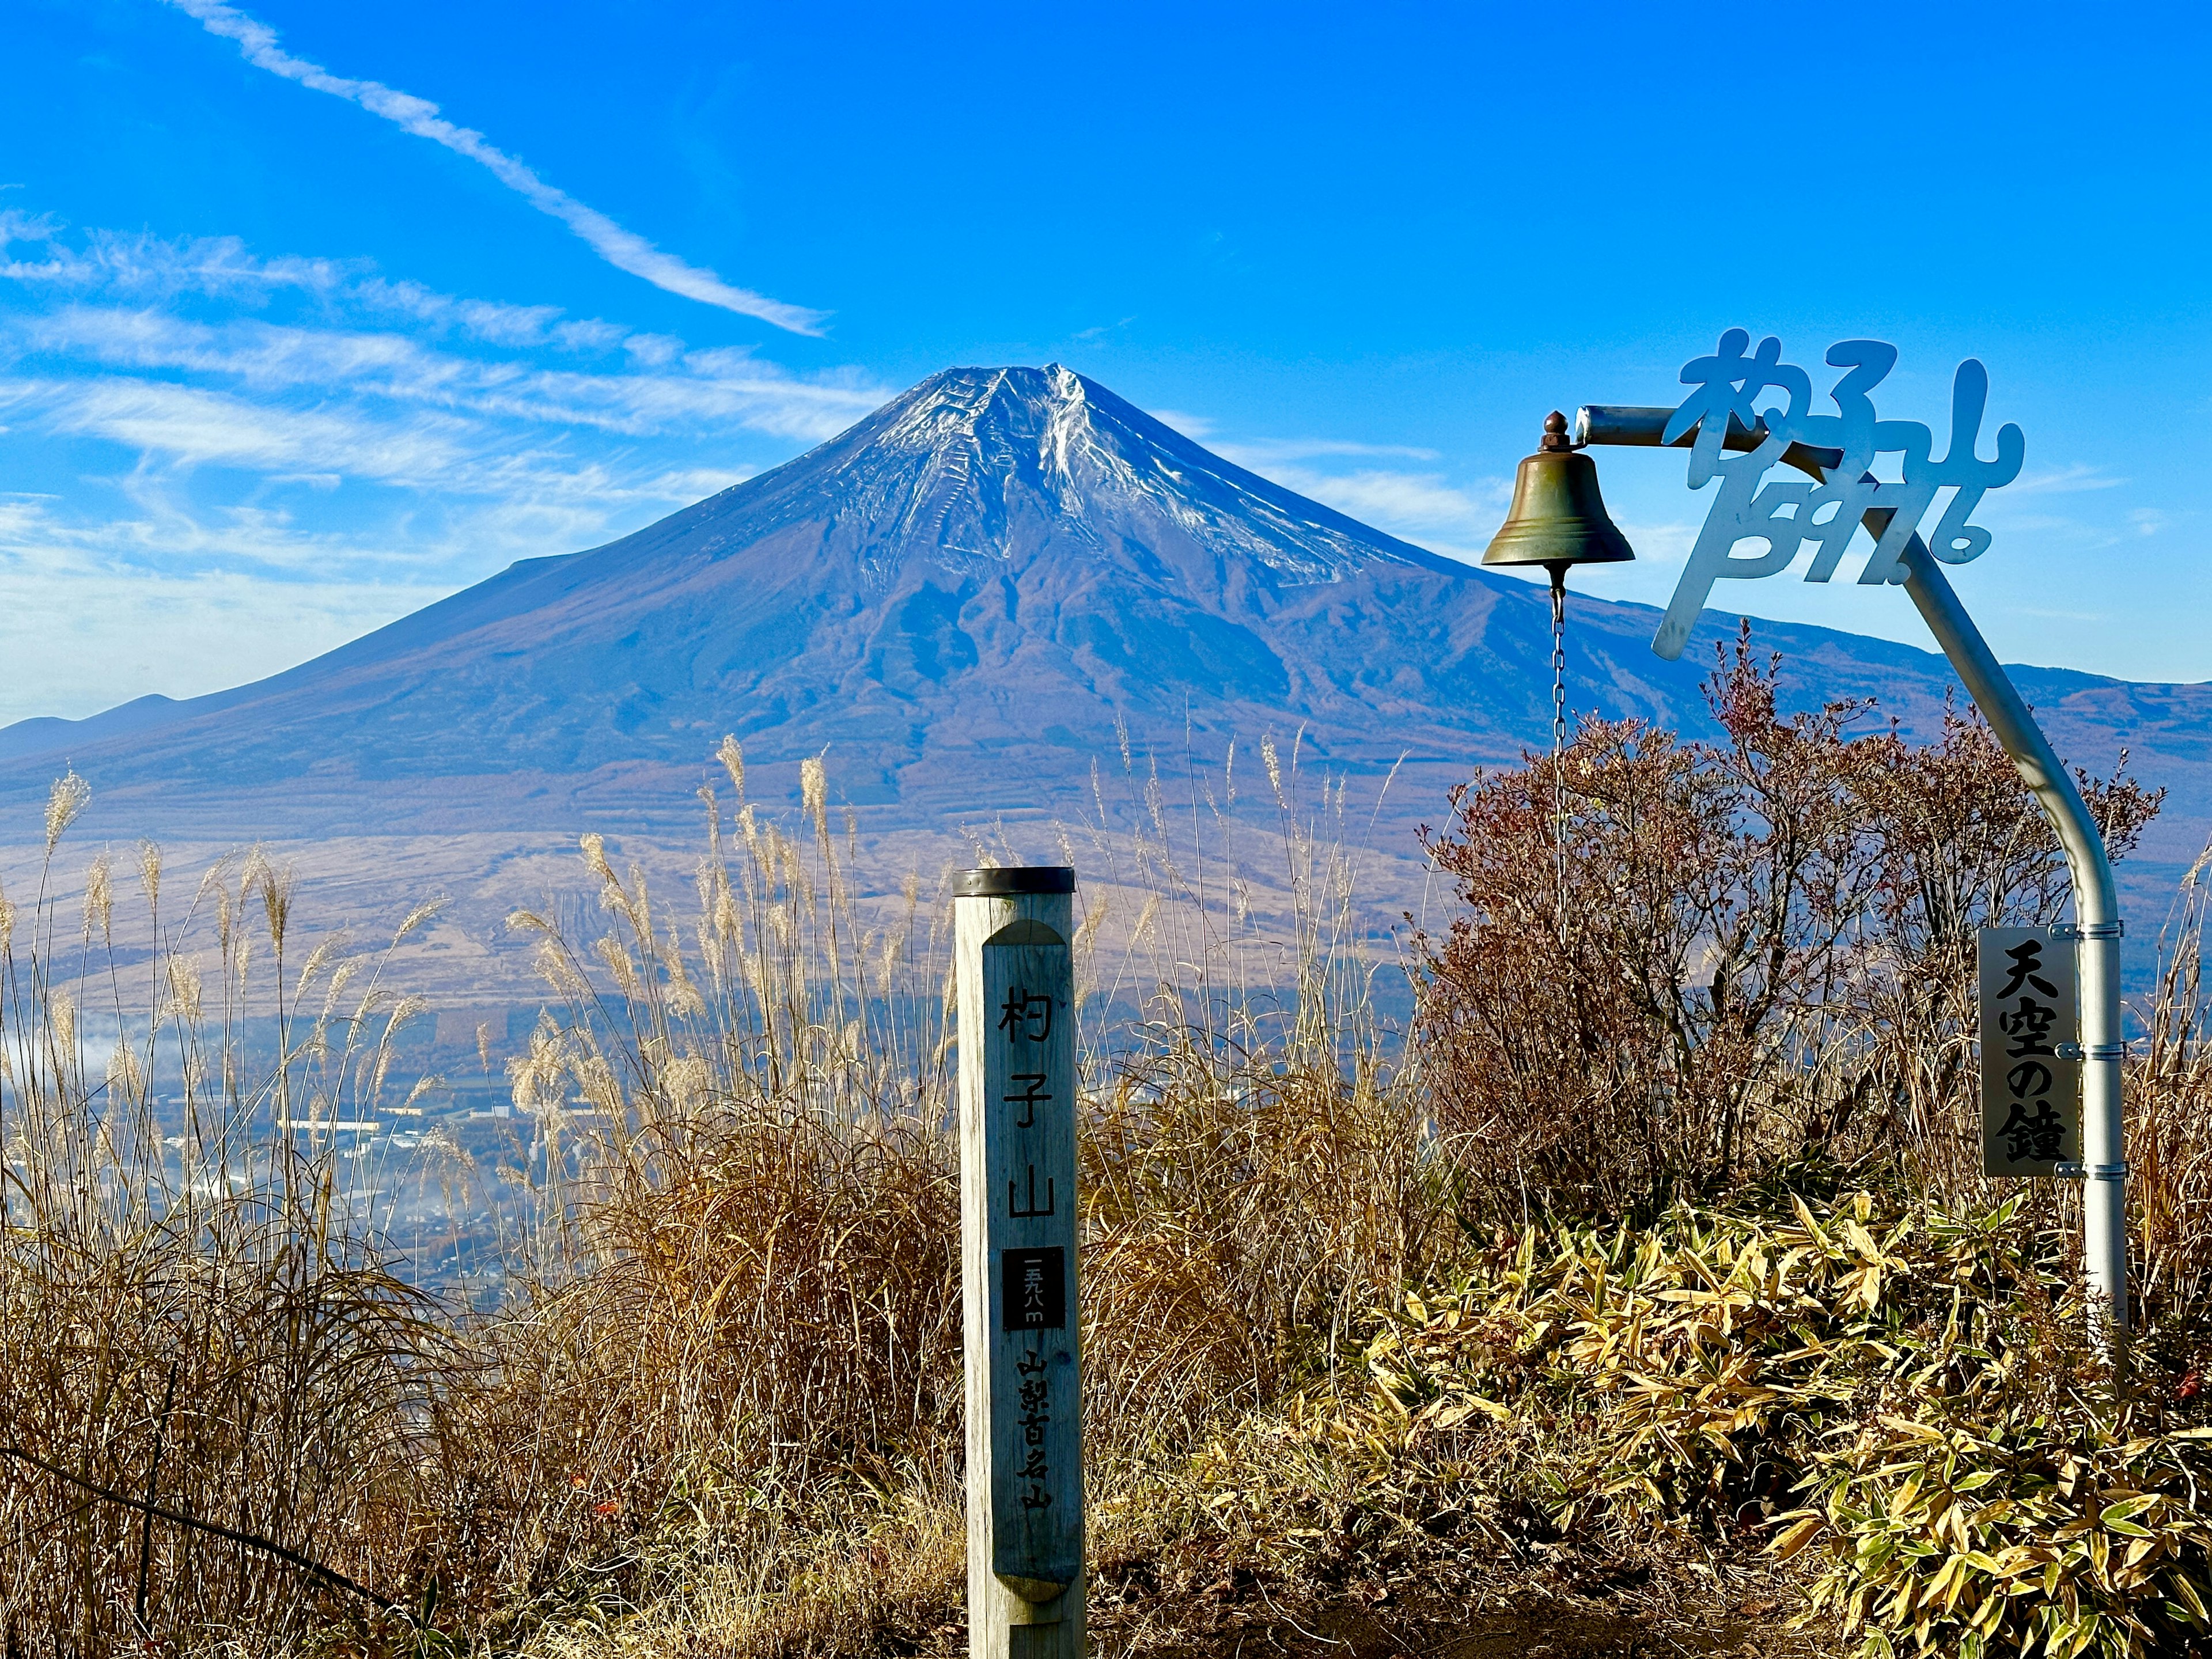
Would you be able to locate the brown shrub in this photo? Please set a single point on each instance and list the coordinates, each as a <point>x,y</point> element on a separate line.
<point>1726,955</point>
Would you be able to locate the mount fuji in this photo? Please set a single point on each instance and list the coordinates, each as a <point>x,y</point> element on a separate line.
<point>961,603</point>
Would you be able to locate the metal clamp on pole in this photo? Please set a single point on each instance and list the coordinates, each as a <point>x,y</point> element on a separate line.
<point>2095,1051</point>
<point>2092,1172</point>
<point>2115,928</point>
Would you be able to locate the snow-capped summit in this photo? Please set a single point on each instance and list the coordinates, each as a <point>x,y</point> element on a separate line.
<point>971,466</point>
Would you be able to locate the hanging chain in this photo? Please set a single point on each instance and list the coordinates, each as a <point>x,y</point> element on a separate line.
<point>1559,737</point>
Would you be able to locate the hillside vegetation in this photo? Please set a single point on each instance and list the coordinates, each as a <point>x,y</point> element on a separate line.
<point>1645,1283</point>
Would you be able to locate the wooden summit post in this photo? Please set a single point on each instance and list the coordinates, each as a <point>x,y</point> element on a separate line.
<point>1017,997</point>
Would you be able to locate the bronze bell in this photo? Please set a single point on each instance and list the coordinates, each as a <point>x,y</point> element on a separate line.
<point>1557,518</point>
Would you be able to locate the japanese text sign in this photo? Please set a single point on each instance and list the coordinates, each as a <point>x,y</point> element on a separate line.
<point>1028,1182</point>
<point>1786,515</point>
<point>2031,1022</point>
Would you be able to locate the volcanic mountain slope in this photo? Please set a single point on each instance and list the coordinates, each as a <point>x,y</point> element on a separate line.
<point>967,589</point>
<point>963,601</point>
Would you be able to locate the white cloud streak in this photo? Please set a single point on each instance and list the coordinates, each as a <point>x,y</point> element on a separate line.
<point>2059,481</point>
<point>86,629</point>
<point>1199,426</point>
<point>1423,508</point>
<point>222,463</point>
<point>198,428</point>
<point>674,386</point>
<point>623,249</point>
<point>1256,452</point>
<point>289,450</point>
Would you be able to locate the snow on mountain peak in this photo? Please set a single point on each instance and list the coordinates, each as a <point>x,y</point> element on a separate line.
<point>953,466</point>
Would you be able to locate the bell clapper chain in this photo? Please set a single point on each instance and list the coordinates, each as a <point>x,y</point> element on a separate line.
<point>1558,573</point>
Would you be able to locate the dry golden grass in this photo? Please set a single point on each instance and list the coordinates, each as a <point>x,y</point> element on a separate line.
<point>717,1411</point>
<point>759,1243</point>
<point>193,1322</point>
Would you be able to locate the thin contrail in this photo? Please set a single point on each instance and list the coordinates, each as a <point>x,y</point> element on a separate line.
<point>623,249</point>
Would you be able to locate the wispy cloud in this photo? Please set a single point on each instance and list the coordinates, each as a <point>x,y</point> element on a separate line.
<point>281,451</point>
<point>150,266</point>
<point>665,386</point>
<point>89,626</point>
<point>1418,505</point>
<point>623,249</point>
<point>1258,452</point>
<point>198,428</point>
<point>1191,426</point>
<point>1426,508</point>
<point>1098,332</point>
<point>2058,481</point>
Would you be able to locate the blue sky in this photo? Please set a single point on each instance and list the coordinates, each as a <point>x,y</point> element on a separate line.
<point>286,352</point>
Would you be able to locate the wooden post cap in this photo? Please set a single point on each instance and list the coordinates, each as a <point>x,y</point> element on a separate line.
<point>1014,882</point>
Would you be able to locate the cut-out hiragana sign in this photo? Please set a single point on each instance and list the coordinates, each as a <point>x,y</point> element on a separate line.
<point>1785,515</point>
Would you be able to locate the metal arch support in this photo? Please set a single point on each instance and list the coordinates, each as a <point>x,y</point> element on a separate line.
<point>2096,906</point>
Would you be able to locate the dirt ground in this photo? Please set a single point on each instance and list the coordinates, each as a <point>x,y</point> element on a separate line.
<point>1510,1620</point>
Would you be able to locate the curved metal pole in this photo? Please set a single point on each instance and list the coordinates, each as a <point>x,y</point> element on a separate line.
<point>2096,913</point>
<point>2096,907</point>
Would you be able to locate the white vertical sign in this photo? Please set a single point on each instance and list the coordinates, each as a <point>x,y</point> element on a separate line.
<point>2030,1020</point>
<point>1018,1100</point>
